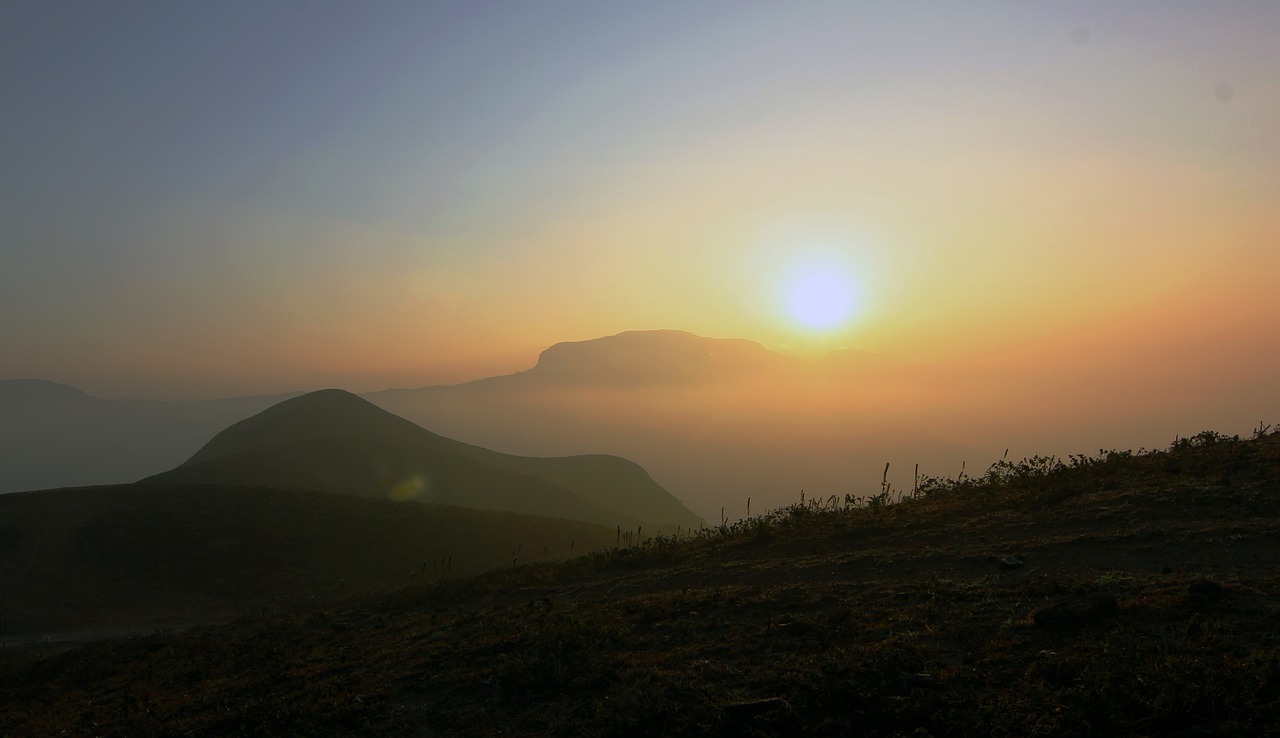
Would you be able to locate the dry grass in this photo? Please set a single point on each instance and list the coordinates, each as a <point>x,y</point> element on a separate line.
<point>1124,594</point>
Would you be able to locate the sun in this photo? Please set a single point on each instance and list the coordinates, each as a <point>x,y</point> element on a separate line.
<point>821,276</point>
<point>820,299</point>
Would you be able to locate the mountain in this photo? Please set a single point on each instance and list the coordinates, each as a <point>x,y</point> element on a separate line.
<point>649,358</point>
<point>653,359</point>
<point>716,421</point>
<point>334,441</point>
<point>54,435</point>
<point>134,557</point>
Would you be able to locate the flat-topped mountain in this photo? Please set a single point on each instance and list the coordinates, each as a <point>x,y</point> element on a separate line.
<point>334,441</point>
<point>658,358</point>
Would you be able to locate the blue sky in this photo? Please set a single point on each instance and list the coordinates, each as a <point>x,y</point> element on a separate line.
<point>210,197</point>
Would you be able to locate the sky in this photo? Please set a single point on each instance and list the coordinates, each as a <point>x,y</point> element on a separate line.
<point>201,199</point>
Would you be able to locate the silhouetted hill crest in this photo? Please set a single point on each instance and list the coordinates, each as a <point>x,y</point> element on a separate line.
<point>335,441</point>
<point>40,390</point>
<point>323,414</point>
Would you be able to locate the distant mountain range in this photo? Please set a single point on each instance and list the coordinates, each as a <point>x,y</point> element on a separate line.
<point>666,358</point>
<point>54,435</point>
<point>714,421</point>
<point>334,441</point>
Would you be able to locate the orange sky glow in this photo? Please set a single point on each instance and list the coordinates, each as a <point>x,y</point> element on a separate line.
<point>1043,213</point>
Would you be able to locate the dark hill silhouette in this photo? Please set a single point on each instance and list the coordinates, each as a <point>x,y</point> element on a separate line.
<point>136,556</point>
<point>334,441</point>
<point>323,414</point>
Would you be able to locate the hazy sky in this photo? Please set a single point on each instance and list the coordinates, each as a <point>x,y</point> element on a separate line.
<point>205,198</point>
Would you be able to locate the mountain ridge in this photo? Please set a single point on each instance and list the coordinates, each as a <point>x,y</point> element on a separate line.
<point>659,357</point>
<point>664,357</point>
<point>673,402</point>
<point>335,441</point>
<point>32,389</point>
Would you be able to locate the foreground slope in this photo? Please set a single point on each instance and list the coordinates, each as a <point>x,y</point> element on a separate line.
<point>134,556</point>
<point>334,441</point>
<point>1132,595</point>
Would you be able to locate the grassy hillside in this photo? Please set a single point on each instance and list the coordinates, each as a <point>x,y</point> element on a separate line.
<point>1121,594</point>
<point>128,556</point>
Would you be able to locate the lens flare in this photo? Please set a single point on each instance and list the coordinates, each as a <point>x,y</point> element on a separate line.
<point>409,488</point>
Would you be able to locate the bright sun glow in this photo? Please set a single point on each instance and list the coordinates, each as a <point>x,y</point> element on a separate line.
<point>820,275</point>
<point>820,300</point>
